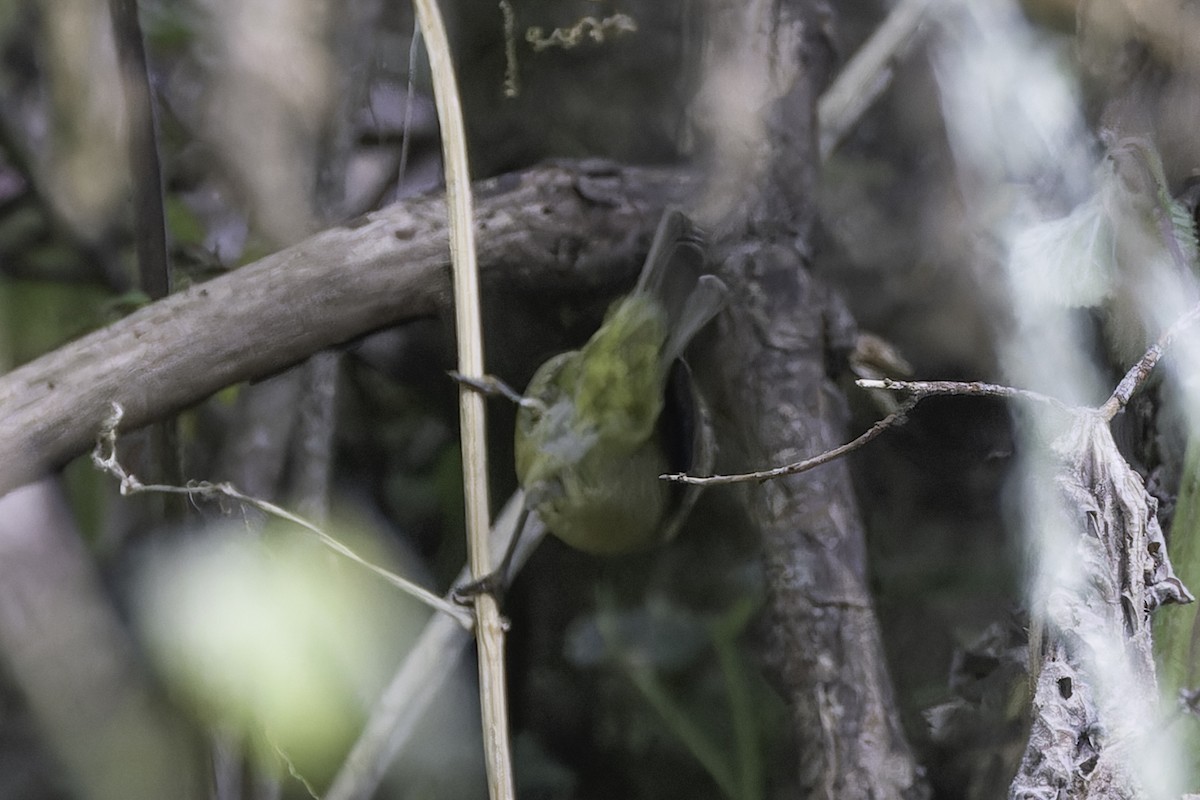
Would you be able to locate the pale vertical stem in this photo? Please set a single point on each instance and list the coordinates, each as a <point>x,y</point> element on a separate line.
<point>489,630</point>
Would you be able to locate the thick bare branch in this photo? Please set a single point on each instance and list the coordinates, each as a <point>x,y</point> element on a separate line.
<point>536,228</point>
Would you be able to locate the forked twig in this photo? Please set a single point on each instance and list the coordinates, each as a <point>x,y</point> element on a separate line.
<point>919,390</point>
<point>897,417</point>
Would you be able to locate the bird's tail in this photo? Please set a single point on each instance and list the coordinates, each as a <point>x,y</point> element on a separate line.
<point>675,273</point>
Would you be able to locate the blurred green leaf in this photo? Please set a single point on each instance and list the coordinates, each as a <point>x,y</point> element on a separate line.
<point>39,316</point>
<point>1175,626</point>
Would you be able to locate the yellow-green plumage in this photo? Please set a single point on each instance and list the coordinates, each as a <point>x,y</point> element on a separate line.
<point>622,375</point>
<point>590,457</point>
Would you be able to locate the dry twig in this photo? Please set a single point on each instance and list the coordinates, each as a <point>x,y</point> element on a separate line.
<point>104,456</point>
<point>489,627</point>
<point>417,681</point>
<point>868,74</point>
<point>919,390</point>
<point>897,417</point>
<point>1140,372</point>
<point>1091,664</point>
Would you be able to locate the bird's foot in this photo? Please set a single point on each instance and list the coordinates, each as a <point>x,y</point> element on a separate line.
<point>491,386</point>
<point>493,583</point>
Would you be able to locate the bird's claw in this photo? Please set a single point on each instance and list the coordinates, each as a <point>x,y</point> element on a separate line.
<point>491,386</point>
<point>492,583</point>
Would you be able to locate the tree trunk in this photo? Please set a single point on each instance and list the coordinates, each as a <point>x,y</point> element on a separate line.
<point>776,402</point>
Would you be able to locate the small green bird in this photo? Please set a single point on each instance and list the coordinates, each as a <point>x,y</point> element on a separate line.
<point>591,445</point>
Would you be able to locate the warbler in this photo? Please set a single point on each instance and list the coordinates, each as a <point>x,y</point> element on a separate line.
<point>592,443</point>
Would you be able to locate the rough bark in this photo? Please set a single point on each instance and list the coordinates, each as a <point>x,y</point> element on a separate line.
<point>1096,731</point>
<point>581,225</point>
<point>779,405</point>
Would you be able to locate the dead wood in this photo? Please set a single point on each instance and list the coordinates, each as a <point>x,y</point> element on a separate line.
<point>578,225</point>
<point>1095,718</point>
<point>776,402</point>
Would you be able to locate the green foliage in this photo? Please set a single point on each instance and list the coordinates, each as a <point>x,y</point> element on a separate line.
<point>270,638</point>
<point>41,315</point>
<point>168,25</point>
<point>185,226</point>
<point>1175,626</point>
<point>692,683</point>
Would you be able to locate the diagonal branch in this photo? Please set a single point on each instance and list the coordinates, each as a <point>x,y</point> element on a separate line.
<point>538,229</point>
<point>892,420</point>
